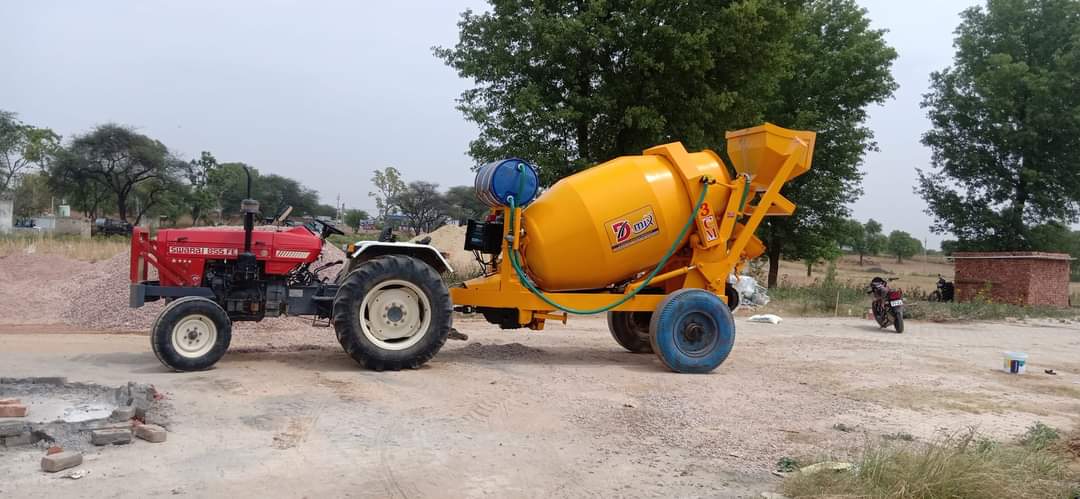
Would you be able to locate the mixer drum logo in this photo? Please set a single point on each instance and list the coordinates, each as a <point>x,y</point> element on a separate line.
<point>632,228</point>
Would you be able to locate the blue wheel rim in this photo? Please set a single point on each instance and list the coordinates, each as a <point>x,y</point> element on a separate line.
<point>696,334</point>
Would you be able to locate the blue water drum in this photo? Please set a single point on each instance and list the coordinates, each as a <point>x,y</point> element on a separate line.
<point>498,180</point>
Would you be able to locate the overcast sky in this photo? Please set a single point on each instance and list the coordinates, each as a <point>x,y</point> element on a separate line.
<point>326,92</point>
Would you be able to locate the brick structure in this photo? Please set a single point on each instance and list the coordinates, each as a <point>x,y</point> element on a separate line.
<point>1020,278</point>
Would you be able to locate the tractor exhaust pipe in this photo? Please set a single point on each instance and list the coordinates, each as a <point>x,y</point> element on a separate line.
<point>249,207</point>
<point>246,263</point>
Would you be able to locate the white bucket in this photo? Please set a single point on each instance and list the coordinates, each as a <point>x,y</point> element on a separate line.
<point>1015,362</point>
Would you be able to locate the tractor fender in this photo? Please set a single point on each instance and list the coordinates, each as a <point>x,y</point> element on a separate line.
<point>367,250</point>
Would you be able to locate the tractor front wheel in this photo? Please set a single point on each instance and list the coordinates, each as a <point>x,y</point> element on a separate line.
<point>191,334</point>
<point>392,312</point>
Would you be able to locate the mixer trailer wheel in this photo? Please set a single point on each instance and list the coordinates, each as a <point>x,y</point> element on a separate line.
<point>191,334</point>
<point>392,312</point>
<point>631,330</point>
<point>692,331</point>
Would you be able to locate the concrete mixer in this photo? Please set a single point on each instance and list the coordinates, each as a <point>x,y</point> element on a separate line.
<point>651,240</point>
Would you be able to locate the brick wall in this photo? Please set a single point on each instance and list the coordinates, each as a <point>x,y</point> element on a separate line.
<point>1021,278</point>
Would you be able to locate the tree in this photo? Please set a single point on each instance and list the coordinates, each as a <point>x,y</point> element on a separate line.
<point>570,84</point>
<point>902,245</point>
<point>1006,125</point>
<point>840,67</point>
<point>199,197</point>
<point>227,184</point>
<point>388,185</point>
<point>22,147</point>
<point>422,205</point>
<point>464,205</point>
<point>863,239</point>
<point>355,218</point>
<point>32,195</point>
<point>117,159</point>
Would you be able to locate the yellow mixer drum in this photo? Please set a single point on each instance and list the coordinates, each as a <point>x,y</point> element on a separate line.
<point>606,224</point>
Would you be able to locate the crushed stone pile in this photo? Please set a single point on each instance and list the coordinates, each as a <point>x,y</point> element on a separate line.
<point>30,286</point>
<point>450,241</point>
<point>97,298</point>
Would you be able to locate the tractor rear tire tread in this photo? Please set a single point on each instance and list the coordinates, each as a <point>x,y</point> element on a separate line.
<point>351,294</point>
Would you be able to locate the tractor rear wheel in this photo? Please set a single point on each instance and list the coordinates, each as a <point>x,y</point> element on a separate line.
<point>191,334</point>
<point>692,331</point>
<point>631,330</point>
<point>392,312</point>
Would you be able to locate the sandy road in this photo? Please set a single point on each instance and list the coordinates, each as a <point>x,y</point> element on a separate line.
<point>561,413</point>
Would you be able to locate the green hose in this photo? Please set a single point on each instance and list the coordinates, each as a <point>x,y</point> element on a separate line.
<point>514,260</point>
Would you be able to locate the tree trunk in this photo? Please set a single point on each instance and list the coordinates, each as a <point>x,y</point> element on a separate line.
<point>121,205</point>
<point>899,259</point>
<point>809,268</point>
<point>860,259</point>
<point>774,264</point>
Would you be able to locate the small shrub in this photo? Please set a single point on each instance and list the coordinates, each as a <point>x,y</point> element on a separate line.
<point>1039,436</point>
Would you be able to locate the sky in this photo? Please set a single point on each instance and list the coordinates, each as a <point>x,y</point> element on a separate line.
<point>327,92</point>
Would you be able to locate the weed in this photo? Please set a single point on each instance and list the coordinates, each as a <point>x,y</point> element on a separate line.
<point>73,247</point>
<point>787,465</point>
<point>1039,436</point>
<point>900,435</point>
<point>959,466</point>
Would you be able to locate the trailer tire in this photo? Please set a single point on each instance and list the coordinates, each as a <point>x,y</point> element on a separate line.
<point>692,331</point>
<point>631,330</point>
<point>191,334</point>
<point>418,317</point>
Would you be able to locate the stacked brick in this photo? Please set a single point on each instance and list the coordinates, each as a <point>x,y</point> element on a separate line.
<point>1020,278</point>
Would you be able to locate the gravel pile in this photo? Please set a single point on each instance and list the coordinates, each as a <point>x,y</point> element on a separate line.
<point>450,241</point>
<point>32,286</point>
<point>97,298</point>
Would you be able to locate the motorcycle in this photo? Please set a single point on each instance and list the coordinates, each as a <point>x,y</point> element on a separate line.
<point>888,305</point>
<point>945,291</point>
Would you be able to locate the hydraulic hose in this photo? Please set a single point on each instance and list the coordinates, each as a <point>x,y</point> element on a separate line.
<point>516,263</point>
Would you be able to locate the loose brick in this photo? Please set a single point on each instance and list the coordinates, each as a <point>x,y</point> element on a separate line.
<point>61,461</point>
<point>12,428</point>
<point>56,449</point>
<point>107,437</point>
<point>151,433</point>
<point>123,413</point>
<point>10,402</point>
<point>27,438</point>
<point>12,411</point>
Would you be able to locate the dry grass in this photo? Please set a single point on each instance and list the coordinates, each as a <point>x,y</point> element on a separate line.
<point>75,248</point>
<point>1038,465</point>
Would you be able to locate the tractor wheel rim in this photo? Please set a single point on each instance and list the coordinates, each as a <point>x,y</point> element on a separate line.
<point>395,314</point>
<point>194,336</point>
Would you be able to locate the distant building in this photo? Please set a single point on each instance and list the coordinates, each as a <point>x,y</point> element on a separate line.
<point>1020,278</point>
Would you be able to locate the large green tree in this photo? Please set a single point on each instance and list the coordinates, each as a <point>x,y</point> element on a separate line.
<point>570,84</point>
<point>463,204</point>
<point>388,185</point>
<point>1006,125</point>
<point>117,160</point>
<point>841,66</point>
<point>863,239</point>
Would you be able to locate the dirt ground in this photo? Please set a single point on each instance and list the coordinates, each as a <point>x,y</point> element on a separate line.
<point>559,413</point>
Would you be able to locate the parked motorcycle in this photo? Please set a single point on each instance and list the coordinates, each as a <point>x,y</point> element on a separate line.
<point>945,290</point>
<point>888,305</point>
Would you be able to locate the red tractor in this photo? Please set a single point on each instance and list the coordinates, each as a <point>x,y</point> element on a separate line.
<point>389,306</point>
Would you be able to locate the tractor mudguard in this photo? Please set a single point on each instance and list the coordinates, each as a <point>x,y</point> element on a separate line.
<point>362,251</point>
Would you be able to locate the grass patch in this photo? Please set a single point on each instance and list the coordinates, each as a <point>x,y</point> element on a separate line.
<point>73,247</point>
<point>964,465</point>
<point>851,299</point>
